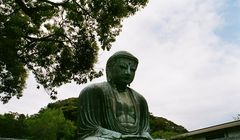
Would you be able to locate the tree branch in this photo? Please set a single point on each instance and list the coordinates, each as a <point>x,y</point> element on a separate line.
<point>54,3</point>
<point>84,10</point>
<point>26,10</point>
<point>46,38</point>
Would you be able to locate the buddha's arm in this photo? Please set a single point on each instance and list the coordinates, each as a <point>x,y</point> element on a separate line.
<point>108,134</point>
<point>147,135</point>
<point>144,136</point>
<point>91,102</point>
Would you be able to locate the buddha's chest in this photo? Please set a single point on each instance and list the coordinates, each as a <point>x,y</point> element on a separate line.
<point>125,109</point>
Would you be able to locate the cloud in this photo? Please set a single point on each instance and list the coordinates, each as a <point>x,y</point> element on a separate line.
<point>187,72</point>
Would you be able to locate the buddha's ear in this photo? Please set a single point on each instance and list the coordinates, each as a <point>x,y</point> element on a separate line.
<point>108,73</point>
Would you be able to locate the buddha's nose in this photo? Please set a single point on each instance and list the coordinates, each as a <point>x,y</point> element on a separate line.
<point>128,71</point>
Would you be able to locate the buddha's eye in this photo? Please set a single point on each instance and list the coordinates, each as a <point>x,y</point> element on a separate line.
<point>133,69</point>
<point>123,67</point>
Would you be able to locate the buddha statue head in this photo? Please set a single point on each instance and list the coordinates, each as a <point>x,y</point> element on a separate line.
<point>120,69</point>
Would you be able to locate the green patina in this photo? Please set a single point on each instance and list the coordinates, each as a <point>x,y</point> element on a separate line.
<point>112,110</point>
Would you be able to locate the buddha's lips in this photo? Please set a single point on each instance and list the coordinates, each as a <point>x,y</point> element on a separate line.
<point>126,77</point>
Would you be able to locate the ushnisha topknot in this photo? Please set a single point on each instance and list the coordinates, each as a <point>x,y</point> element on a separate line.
<point>121,54</point>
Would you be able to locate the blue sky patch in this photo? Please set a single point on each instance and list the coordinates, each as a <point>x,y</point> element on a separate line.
<point>230,31</point>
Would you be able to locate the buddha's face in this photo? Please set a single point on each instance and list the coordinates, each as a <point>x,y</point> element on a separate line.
<point>123,71</point>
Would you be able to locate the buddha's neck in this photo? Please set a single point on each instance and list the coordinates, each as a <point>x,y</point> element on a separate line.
<point>121,88</point>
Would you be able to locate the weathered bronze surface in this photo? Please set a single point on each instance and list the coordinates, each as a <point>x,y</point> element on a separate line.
<point>112,110</point>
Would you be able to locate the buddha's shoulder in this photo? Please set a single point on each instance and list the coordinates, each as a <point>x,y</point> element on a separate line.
<point>95,88</point>
<point>137,94</point>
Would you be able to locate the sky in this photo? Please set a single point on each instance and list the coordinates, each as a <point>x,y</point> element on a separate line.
<point>189,69</point>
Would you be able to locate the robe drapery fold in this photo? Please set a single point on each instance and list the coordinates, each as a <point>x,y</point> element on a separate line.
<point>97,113</point>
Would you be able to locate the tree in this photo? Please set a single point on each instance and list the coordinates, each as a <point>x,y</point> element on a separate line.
<point>50,124</point>
<point>47,124</point>
<point>69,108</point>
<point>163,128</point>
<point>13,125</point>
<point>57,42</point>
<point>237,117</point>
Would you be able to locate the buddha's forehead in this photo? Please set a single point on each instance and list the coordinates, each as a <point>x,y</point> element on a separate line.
<point>125,60</point>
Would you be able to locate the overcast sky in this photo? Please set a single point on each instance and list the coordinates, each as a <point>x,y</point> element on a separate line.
<point>189,70</point>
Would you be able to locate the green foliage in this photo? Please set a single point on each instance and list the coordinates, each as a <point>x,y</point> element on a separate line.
<point>57,42</point>
<point>163,128</point>
<point>163,134</point>
<point>50,124</point>
<point>68,107</point>
<point>47,124</point>
<point>13,125</point>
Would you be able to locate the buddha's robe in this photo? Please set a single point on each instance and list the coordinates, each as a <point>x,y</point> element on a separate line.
<point>100,113</point>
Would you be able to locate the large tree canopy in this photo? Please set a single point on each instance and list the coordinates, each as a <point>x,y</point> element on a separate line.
<point>57,41</point>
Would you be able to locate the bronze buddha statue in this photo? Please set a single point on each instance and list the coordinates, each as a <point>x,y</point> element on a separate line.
<point>112,110</point>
